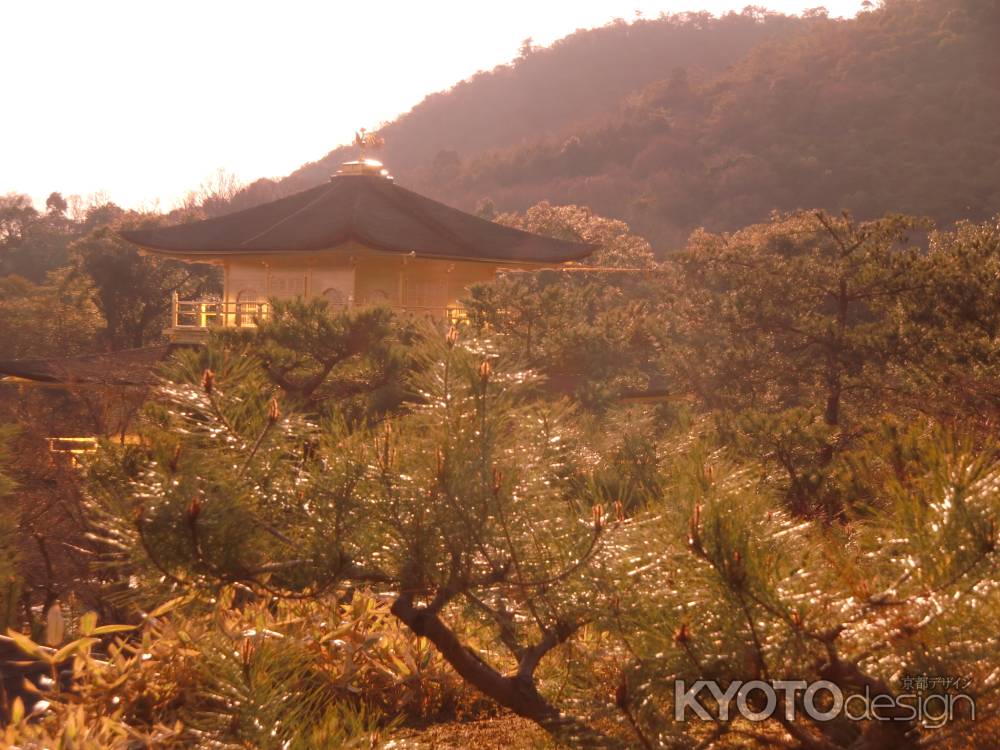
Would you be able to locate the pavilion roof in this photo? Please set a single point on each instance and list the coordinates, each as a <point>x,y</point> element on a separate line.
<point>127,367</point>
<point>367,208</point>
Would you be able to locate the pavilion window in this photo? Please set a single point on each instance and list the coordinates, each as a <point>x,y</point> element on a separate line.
<point>249,304</point>
<point>425,293</point>
<point>287,285</point>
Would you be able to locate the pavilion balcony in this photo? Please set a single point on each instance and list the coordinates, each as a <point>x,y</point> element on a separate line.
<point>191,320</point>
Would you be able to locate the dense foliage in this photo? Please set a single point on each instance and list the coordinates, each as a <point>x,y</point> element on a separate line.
<point>811,495</point>
<point>10,578</point>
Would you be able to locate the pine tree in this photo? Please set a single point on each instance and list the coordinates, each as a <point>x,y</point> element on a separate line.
<point>477,503</point>
<point>734,588</point>
<point>485,507</point>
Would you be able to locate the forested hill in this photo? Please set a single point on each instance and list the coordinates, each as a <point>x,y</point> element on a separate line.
<point>549,89</point>
<point>578,81</point>
<point>691,121</point>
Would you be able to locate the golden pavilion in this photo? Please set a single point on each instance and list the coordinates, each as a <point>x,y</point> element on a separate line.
<point>359,239</point>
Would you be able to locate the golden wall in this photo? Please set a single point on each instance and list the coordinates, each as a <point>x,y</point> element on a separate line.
<point>354,274</point>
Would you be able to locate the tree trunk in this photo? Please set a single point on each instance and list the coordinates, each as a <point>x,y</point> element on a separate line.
<point>832,413</point>
<point>517,693</point>
<point>834,368</point>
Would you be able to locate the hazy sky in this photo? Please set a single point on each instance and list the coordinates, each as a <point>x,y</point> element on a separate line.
<point>144,100</point>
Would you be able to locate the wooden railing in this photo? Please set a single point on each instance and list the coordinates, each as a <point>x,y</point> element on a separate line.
<point>72,445</point>
<point>204,315</point>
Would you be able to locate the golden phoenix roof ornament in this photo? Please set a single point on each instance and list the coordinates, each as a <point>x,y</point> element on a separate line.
<point>363,165</point>
<point>365,140</point>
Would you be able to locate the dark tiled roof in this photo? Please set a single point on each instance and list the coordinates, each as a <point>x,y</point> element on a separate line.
<point>128,367</point>
<point>367,208</point>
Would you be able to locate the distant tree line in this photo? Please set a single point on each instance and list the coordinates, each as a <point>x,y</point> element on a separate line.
<point>69,284</point>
